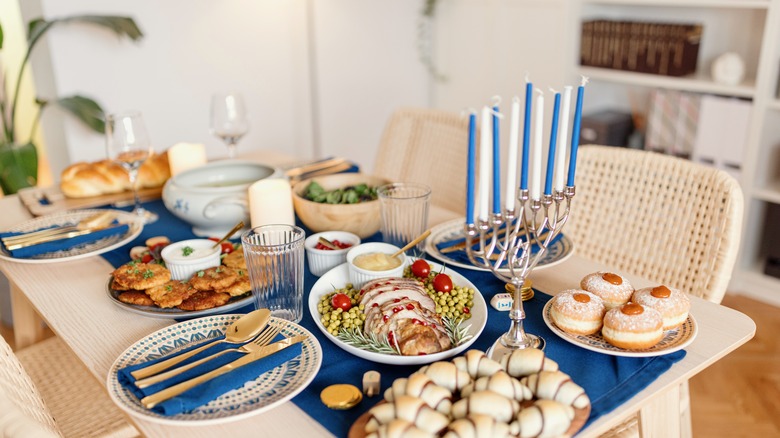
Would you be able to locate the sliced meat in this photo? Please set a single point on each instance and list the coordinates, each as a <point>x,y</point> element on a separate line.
<point>397,294</point>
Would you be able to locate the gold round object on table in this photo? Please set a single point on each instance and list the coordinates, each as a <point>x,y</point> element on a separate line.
<point>526,292</point>
<point>341,396</point>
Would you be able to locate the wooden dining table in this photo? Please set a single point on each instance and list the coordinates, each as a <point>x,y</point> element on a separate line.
<point>70,298</point>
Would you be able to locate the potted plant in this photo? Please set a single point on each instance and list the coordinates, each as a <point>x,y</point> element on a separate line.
<point>18,155</point>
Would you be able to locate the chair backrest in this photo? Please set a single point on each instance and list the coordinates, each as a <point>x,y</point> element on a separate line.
<point>663,218</point>
<point>22,410</point>
<point>427,146</point>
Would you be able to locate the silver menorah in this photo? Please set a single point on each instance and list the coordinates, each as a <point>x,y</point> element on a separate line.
<point>510,237</point>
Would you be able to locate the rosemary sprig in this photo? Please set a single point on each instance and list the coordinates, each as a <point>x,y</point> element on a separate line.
<point>366,341</point>
<point>457,334</point>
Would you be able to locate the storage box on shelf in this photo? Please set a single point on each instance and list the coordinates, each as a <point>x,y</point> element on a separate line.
<point>749,29</point>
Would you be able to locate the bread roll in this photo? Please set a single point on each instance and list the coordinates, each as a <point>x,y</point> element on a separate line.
<point>520,363</point>
<point>446,374</point>
<point>82,180</point>
<point>407,408</point>
<point>478,426</point>
<point>488,403</point>
<point>558,386</point>
<point>421,386</point>
<point>500,383</point>
<point>399,429</point>
<point>477,364</point>
<point>545,418</point>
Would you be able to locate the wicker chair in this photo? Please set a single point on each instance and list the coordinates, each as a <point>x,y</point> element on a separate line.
<point>426,146</point>
<point>663,218</point>
<point>46,392</point>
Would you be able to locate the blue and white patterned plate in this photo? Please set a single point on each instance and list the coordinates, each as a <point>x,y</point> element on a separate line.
<point>561,250</point>
<point>674,340</point>
<point>265,392</point>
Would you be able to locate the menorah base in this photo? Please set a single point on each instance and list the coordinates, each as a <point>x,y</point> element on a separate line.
<point>499,348</point>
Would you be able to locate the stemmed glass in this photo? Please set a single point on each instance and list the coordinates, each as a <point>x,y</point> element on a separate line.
<point>229,119</point>
<point>127,144</point>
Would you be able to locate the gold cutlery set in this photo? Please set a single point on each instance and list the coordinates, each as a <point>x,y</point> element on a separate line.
<point>252,329</point>
<point>89,225</point>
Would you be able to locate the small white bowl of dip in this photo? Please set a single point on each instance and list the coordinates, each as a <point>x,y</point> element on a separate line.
<point>323,260</point>
<point>370,261</point>
<point>187,257</point>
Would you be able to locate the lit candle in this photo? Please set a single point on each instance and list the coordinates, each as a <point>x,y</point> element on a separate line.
<point>529,97</point>
<point>472,161</point>
<point>270,202</point>
<point>560,153</point>
<point>496,162</point>
<point>575,132</point>
<point>511,164</point>
<point>185,156</point>
<point>485,144</point>
<point>536,155</point>
<point>548,180</point>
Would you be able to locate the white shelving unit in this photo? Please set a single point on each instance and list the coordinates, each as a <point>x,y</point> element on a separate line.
<point>750,28</point>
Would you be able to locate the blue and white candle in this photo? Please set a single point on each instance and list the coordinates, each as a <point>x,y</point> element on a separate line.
<point>575,133</point>
<point>529,97</point>
<point>536,154</point>
<point>548,181</point>
<point>496,162</point>
<point>472,162</point>
<point>563,131</point>
<point>511,162</point>
<point>485,146</point>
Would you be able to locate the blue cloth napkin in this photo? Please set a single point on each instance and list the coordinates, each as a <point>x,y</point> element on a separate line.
<point>60,244</point>
<point>211,389</point>
<point>608,380</point>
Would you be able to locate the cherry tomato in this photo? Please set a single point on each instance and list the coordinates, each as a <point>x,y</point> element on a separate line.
<point>341,301</point>
<point>147,258</point>
<point>442,283</point>
<point>227,247</point>
<point>421,268</point>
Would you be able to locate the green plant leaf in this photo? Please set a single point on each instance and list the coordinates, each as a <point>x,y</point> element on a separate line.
<point>1,36</point>
<point>86,110</point>
<point>122,26</point>
<point>18,167</point>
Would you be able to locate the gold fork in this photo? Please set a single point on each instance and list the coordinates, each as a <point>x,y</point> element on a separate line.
<point>264,338</point>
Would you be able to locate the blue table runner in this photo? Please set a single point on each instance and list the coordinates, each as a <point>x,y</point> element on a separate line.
<point>608,380</point>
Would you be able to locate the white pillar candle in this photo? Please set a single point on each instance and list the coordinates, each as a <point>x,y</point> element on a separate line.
<point>485,146</point>
<point>536,153</point>
<point>563,131</point>
<point>184,156</point>
<point>511,171</point>
<point>270,202</point>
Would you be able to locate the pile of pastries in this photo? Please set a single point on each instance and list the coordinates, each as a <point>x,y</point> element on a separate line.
<point>627,318</point>
<point>150,284</point>
<point>522,395</point>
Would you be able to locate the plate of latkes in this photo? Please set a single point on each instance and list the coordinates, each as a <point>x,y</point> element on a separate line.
<point>150,292</point>
<point>673,340</point>
<point>376,349</point>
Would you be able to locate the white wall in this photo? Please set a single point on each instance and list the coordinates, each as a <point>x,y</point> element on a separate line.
<point>362,54</point>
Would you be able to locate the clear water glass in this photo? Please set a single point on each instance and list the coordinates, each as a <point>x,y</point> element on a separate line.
<point>404,210</point>
<point>274,258</point>
<point>229,119</point>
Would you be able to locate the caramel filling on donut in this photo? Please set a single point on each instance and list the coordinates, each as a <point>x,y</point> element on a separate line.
<point>632,309</point>
<point>661,292</point>
<point>581,298</point>
<point>612,278</point>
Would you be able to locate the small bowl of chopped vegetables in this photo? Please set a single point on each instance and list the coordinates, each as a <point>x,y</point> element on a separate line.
<point>345,202</point>
<point>187,257</point>
<point>328,249</point>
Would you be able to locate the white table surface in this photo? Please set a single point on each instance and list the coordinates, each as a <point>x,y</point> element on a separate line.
<point>71,299</point>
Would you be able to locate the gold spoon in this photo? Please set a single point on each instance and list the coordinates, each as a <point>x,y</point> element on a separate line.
<point>242,330</point>
<point>409,245</point>
<point>238,226</point>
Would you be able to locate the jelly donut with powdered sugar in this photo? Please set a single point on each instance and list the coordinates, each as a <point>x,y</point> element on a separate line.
<point>578,311</point>
<point>613,289</point>
<point>671,303</point>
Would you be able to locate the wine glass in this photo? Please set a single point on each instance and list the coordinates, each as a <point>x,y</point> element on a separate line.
<point>128,145</point>
<point>229,119</point>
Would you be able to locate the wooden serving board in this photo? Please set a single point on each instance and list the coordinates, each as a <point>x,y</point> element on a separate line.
<point>41,201</point>
<point>580,418</point>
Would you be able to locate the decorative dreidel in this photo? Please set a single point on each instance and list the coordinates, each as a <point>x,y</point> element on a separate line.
<point>511,241</point>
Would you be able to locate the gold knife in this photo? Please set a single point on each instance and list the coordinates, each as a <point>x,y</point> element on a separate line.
<point>52,237</point>
<point>158,397</point>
